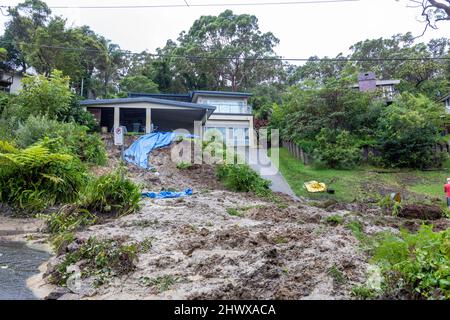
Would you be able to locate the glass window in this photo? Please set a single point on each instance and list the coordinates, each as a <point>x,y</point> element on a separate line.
<point>228,106</point>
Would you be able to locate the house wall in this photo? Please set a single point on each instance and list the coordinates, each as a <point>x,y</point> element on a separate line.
<point>16,86</point>
<point>233,121</point>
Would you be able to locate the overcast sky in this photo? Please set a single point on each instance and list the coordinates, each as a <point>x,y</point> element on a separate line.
<point>304,30</point>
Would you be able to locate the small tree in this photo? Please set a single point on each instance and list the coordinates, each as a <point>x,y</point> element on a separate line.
<point>44,96</point>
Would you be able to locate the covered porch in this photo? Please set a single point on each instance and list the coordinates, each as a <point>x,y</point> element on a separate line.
<point>146,117</point>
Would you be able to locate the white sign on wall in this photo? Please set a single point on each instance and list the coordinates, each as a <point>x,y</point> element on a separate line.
<point>118,136</point>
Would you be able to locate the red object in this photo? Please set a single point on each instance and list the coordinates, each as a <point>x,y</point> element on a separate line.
<point>447,189</point>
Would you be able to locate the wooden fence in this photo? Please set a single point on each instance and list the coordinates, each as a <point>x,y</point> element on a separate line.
<point>366,152</point>
<point>297,152</point>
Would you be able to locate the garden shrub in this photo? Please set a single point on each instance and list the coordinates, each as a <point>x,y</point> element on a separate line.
<point>65,137</point>
<point>336,149</point>
<point>111,194</point>
<point>35,178</point>
<point>418,262</point>
<point>242,178</point>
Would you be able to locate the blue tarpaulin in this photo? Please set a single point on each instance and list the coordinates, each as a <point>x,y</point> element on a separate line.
<point>167,194</point>
<point>138,152</point>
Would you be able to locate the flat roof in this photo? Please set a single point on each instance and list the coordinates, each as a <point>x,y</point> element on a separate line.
<point>167,102</point>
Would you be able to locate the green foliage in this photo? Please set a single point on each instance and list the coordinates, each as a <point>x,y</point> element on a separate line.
<point>389,205</point>
<point>111,194</point>
<point>3,54</point>
<point>35,178</point>
<point>183,165</point>
<point>227,34</point>
<point>241,178</point>
<point>44,96</point>
<point>336,149</point>
<point>419,262</point>
<point>138,83</point>
<point>63,223</point>
<point>233,212</point>
<point>79,115</point>
<point>62,137</point>
<point>364,293</point>
<point>408,130</point>
<point>337,275</point>
<point>103,259</point>
<point>162,283</point>
<point>335,219</point>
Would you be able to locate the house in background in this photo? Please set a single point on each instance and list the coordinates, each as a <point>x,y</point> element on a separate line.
<point>10,81</point>
<point>446,102</point>
<point>367,81</point>
<point>227,112</point>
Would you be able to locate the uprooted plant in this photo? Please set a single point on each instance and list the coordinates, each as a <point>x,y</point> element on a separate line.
<point>100,259</point>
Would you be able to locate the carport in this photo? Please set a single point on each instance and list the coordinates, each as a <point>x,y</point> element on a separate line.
<point>148,114</point>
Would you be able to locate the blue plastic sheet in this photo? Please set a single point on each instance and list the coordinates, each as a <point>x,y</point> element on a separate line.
<point>138,152</point>
<point>167,194</point>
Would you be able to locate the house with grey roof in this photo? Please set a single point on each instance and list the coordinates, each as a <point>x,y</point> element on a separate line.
<point>367,81</point>
<point>226,112</point>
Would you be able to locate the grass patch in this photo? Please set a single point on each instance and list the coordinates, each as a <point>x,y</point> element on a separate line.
<point>363,183</point>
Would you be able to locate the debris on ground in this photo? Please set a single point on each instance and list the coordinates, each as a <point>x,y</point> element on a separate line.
<point>217,244</point>
<point>168,194</point>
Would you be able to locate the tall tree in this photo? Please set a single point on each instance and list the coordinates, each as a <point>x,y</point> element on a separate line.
<point>26,18</point>
<point>233,53</point>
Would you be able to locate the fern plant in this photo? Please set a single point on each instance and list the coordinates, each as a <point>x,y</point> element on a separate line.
<point>35,178</point>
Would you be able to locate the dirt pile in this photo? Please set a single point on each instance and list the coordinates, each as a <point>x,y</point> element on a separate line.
<point>421,211</point>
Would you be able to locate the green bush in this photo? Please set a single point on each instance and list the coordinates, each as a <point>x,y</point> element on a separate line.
<point>64,137</point>
<point>408,130</point>
<point>75,113</point>
<point>242,178</point>
<point>44,96</point>
<point>336,149</point>
<point>35,178</point>
<point>111,194</point>
<point>419,263</point>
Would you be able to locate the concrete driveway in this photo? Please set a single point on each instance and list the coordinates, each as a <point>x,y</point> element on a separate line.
<point>259,161</point>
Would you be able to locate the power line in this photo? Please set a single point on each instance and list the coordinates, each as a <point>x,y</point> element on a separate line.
<point>197,57</point>
<point>235,4</point>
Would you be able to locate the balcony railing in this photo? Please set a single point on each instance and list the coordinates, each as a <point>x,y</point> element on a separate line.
<point>234,109</point>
